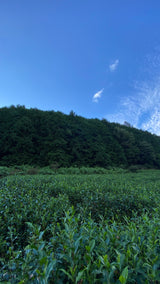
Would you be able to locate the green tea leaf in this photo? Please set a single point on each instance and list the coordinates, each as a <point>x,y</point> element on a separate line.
<point>123,277</point>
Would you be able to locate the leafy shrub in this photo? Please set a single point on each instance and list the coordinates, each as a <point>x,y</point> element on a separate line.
<point>80,228</point>
<point>4,171</point>
<point>32,171</point>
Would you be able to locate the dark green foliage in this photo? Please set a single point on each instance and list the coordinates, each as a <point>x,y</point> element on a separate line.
<point>4,171</point>
<point>41,138</point>
<point>76,228</point>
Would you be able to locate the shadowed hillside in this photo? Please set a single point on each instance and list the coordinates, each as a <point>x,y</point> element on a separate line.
<point>35,137</point>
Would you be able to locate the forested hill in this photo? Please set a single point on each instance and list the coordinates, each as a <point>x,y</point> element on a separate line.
<point>32,136</point>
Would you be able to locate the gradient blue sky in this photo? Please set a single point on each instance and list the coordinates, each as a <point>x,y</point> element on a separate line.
<point>99,58</point>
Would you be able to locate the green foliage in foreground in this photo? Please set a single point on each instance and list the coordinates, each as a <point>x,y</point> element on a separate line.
<point>50,170</point>
<point>80,228</point>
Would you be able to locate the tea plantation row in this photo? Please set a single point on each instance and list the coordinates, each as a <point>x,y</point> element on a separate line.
<point>80,228</point>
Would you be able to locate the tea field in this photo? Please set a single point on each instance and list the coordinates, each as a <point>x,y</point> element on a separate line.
<point>79,226</point>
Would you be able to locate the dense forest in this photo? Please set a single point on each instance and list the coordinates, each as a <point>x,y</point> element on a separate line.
<point>36,137</point>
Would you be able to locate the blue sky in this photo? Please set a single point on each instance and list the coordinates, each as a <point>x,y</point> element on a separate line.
<point>99,58</point>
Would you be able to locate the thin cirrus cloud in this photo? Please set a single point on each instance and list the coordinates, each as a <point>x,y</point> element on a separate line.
<point>144,108</point>
<point>114,65</point>
<point>153,125</point>
<point>141,110</point>
<point>97,96</point>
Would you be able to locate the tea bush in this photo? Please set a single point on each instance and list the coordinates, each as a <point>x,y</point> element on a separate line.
<point>99,228</point>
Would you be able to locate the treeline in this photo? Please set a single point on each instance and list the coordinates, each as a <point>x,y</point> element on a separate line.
<point>36,137</point>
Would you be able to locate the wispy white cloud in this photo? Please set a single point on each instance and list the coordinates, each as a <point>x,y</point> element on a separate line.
<point>114,65</point>
<point>142,109</point>
<point>97,96</point>
<point>153,124</point>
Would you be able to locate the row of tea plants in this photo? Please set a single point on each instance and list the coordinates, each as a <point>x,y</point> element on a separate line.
<point>99,228</point>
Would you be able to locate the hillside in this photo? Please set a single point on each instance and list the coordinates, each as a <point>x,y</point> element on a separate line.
<point>35,137</point>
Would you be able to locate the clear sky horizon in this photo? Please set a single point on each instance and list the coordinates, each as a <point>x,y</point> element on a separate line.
<point>99,58</point>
